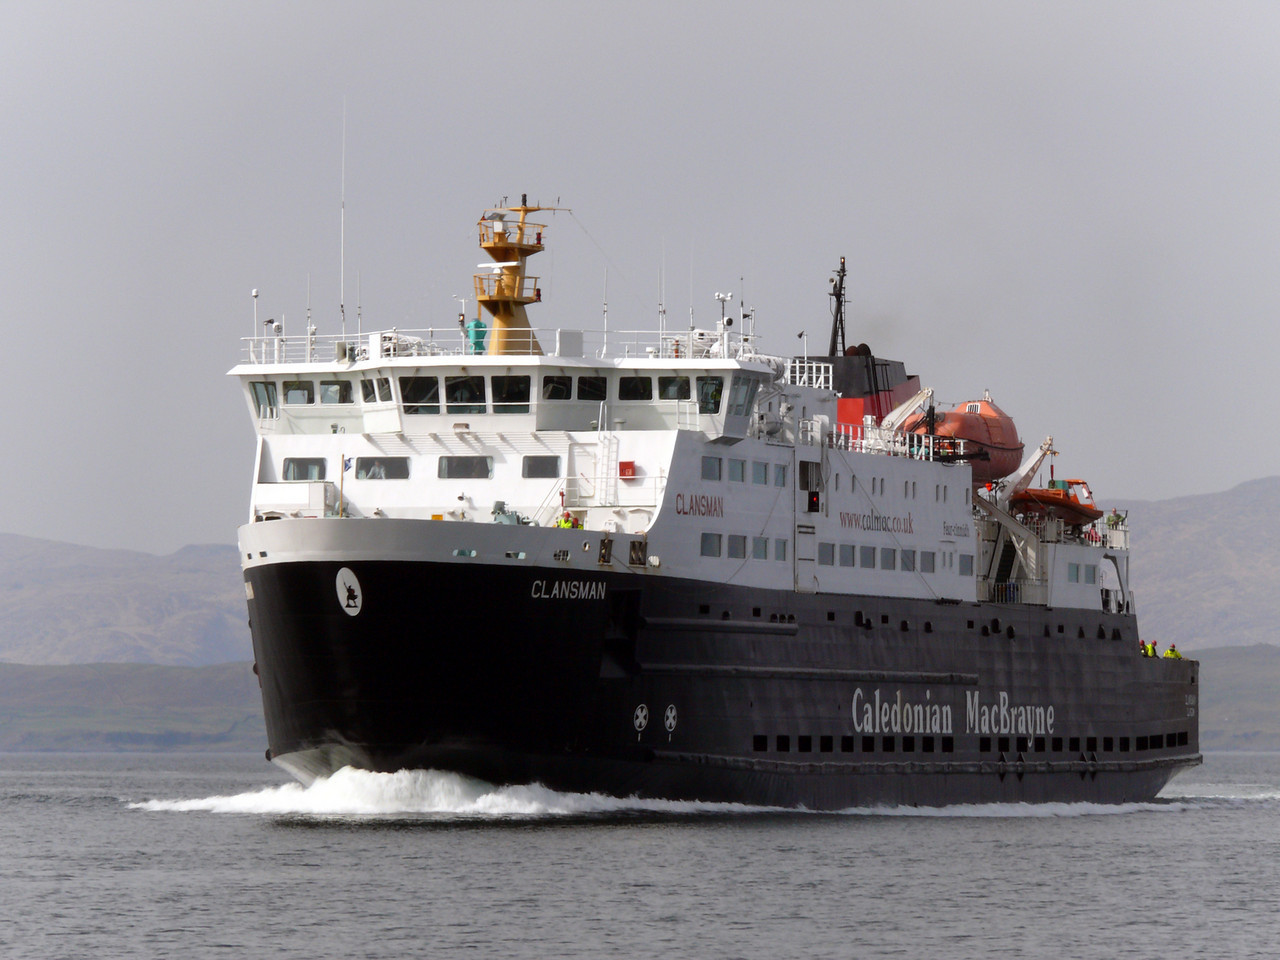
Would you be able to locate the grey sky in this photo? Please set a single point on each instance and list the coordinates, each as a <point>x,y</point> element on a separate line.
<point>1072,204</point>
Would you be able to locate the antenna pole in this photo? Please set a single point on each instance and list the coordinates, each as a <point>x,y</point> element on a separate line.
<point>604,350</point>
<point>342,229</point>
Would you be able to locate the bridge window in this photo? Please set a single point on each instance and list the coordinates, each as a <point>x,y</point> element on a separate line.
<point>304,468</point>
<point>635,388</point>
<point>966,565</point>
<point>382,393</point>
<point>709,392</point>
<point>846,554</point>
<point>927,560</point>
<point>557,388</point>
<point>908,560</point>
<point>737,471</point>
<point>888,558</point>
<point>867,557</point>
<point>336,391</point>
<point>465,468</point>
<point>737,546</point>
<point>780,549</point>
<point>1073,573</point>
<point>510,394</point>
<point>593,388</point>
<point>537,467</point>
<point>780,475</point>
<point>382,468</point>
<point>827,554</point>
<point>759,548</point>
<point>742,394</point>
<point>264,396</point>
<point>464,394</point>
<point>299,391</point>
<point>673,388</point>
<point>420,394</point>
<point>710,468</point>
<point>1090,573</point>
<point>759,473</point>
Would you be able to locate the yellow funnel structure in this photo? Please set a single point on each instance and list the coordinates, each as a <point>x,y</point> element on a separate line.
<point>508,237</point>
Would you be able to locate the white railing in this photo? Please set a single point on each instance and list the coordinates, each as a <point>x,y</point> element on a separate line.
<point>454,341</point>
<point>809,373</point>
<point>1014,591</point>
<point>867,438</point>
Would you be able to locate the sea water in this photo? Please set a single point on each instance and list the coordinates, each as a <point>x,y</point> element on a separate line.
<point>106,856</point>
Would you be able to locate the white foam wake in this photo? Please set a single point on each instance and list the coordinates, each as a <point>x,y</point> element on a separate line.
<point>433,793</point>
<point>360,793</point>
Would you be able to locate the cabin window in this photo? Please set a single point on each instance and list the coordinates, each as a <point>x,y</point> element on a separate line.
<point>710,468</point>
<point>557,388</point>
<point>420,394</point>
<point>927,558</point>
<point>299,391</point>
<point>379,394</point>
<point>465,468</point>
<point>464,394</point>
<point>759,548</point>
<point>673,388</point>
<point>382,468</point>
<point>742,394</point>
<point>966,565</point>
<point>711,544</point>
<point>737,471</point>
<point>888,558</point>
<point>780,549</point>
<point>635,388</point>
<point>336,391</point>
<point>709,391</point>
<point>867,557</point>
<point>539,466</point>
<point>304,468</point>
<point>759,473</point>
<point>810,475</point>
<point>510,394</point>
<point>264,397</point>
<point>908,560</point>
<point>846,554</point>
<point>592,388</point>
<point>780,475</point>
<point>827,554</point>
<point>737,546</point>
<point>1090,573</point>
<point>1073,573</point>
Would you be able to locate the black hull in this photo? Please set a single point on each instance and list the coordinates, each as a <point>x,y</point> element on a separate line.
<point>634,684</point>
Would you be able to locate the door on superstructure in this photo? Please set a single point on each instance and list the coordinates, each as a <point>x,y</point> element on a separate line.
<point>806,555</point>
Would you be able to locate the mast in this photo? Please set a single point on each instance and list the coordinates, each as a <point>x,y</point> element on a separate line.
<point>837,313</point>
<point>506,289</point>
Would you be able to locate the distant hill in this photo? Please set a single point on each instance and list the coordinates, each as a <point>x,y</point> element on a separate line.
<point>130,707</point>
<point>62,603</point>
<point>142,707</point>
<point>1204,568</point>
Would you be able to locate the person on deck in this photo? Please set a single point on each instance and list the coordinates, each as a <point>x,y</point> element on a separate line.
<point>1172,653</point>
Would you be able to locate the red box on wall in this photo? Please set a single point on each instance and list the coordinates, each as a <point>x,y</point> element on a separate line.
<point>627,469</point>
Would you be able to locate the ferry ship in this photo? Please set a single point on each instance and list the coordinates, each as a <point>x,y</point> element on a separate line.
<point>670,565</point>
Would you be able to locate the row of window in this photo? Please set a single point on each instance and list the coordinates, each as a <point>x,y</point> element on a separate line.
<point>889,558</point>
<point>712,470</point>
<point>397,468</point>
<point>734,546</point>
<point>826,743</point>
<point>468,393</point>
<point>1090,572</point>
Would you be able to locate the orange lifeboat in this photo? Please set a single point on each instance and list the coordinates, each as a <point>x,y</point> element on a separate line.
<point>982,425</point>
<point>1068,500</point>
